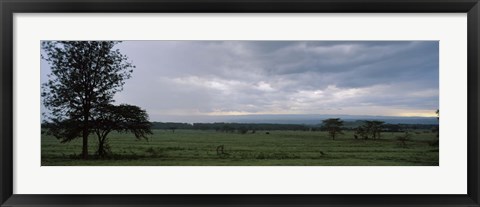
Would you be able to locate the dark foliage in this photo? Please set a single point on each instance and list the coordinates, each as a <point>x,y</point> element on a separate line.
<point>84,75</point>
<point>122,118</point>
<point>333,126</point>
<point>64,130</point>
<point>370,129</point>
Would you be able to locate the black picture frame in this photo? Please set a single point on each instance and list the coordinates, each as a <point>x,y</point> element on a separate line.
<point>9,7</point>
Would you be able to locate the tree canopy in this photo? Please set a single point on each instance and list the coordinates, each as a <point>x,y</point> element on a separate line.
<point>333,126</point>
<point>122,118</point>
<point>369,129</point>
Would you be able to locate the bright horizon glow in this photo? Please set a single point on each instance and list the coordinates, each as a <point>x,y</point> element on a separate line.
<point>418,114</point>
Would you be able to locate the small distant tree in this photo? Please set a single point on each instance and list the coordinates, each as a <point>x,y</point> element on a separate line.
<point>436,130</point>
<point>122,118</point>
<point>404,138</point>
<point>242,130</point>
<point>333,126</point>
<point>228,129</point>
<point>370,128</point>
<point>376,128</point>
<point>362,132</point>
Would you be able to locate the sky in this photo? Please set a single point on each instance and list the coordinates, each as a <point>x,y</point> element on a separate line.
<point>181,80</point>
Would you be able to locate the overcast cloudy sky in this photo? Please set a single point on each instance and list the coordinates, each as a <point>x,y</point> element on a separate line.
<point>188,78</point>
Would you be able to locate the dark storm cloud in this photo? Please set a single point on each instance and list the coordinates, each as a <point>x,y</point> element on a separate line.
<point>241,77</point>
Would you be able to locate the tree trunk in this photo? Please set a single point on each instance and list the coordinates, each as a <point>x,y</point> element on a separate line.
<point>102,144</point>
<point>101,150</point>
<point>85,138</point>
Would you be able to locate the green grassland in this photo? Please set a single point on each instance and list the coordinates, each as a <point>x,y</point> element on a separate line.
<point>285,148</point>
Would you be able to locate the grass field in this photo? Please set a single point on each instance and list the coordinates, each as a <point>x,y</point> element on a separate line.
<point>287,148</point>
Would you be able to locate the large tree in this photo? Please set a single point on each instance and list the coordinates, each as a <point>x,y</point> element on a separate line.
<point>333,126</point>
<point>84,75</point>
<point>121,118</point>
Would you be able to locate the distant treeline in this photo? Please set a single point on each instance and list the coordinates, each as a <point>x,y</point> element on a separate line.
<point>229,127</point>
<point>241,127</point>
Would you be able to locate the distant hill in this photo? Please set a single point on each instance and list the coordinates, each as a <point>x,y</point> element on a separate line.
<point>307,119</point>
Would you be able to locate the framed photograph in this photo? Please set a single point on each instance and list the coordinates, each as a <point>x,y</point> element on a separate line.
<point>239,103</point>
